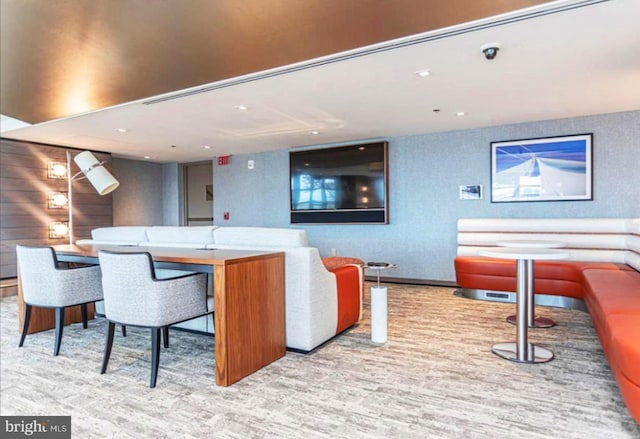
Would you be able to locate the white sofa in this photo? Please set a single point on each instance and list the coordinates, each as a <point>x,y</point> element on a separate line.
<point>313,314</point>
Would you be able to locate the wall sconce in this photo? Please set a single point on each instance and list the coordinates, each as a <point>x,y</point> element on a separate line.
<point>56,170</point>
<point>57,200</point>
<point>58,230</point>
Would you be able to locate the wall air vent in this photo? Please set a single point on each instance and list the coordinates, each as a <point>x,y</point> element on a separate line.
<point>493,295</point>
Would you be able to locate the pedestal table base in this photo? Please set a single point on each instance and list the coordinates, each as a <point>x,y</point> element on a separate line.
<point>535,354</point>
<point>538,322</point>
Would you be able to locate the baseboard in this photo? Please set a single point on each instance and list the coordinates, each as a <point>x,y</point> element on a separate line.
<point>510,297</point>
<point>9,287</point>
<point>411,281</point>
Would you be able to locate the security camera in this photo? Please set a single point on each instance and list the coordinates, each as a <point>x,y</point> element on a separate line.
<point>490,50</point>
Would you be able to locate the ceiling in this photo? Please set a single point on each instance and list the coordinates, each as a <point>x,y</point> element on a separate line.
<point>556,60</point>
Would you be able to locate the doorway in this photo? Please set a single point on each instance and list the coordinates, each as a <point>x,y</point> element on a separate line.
<point>198,194</point>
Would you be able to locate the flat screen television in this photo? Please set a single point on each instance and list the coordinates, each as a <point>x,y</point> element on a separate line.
<point>344,184</point>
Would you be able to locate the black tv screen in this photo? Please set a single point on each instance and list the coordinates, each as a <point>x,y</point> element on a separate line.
<point>345,184</point>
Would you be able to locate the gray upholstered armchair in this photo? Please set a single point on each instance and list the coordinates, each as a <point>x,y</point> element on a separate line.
<point>133,296</point>
<point>46,285</point>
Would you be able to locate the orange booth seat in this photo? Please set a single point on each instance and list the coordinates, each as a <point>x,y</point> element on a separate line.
<point>603,273</point>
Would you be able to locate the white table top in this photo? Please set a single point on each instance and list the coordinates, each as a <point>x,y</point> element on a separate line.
<point>531,243</point>
<point>524,253</point>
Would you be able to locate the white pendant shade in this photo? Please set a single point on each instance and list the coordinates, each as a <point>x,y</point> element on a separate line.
<point>98,176</point>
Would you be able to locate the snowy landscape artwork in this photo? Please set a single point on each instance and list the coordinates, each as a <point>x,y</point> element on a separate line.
<point>545,169</point>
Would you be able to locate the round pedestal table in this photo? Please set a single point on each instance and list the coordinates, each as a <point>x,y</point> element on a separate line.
<point>522,351</point>
<point>533,321</point>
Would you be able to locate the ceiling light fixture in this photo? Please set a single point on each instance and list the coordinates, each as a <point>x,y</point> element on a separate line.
<point>315,132</point>
<point>460,113</point>
<point>242,107</point>
<point>122,130</point>
<point>423,73</point>
<point>147,157</point>
<point>206,147</point>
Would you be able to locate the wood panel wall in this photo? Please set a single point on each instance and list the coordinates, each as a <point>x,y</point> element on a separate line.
<point>24,189</point>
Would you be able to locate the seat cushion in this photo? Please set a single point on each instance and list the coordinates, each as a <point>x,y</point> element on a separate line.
<point>625,344</point>
<point>562,278</point>
<point>201,235</point>
<point>120,234</point>
<point>609,291</point>
<point>256,237</point>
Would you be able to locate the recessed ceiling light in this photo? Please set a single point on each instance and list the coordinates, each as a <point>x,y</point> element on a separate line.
<point>122,130</point>
<point>241,107</point>
<point>460,113</point>
<point>423,73</point>
<point>147,157</point>
<point>206,147</point>
<point>315,132</point>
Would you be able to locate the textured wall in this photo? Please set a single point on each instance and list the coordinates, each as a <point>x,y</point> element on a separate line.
<point>24,188</point>
<point>425,172</point>
<point>139,199</point>
<point>171,207</point>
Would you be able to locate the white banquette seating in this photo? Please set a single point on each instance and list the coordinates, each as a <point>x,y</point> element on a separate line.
<point>311,290</point>
<point>586,239</point>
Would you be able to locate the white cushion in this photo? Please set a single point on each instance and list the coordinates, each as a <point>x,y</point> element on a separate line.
<point>573,240</point>
<point>554,225</point>
<point>254,237</point>
<point>116,243</point>
<point>120,234</point>
<point>174,244</point>
<point>585,239</point>
<point>176,234</point>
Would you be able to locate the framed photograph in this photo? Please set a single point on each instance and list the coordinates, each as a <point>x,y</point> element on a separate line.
<point>545,169</point>
<point>471,192</point>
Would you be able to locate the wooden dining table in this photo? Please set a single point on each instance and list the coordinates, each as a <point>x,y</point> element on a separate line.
<point>249,300</point>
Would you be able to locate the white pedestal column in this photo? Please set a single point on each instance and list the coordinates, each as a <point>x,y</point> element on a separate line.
<point>379,315</point>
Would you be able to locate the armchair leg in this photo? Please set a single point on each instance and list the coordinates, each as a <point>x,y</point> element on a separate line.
<point>83,311</point>
<point>107,348</point>
<point>155,355</point>
<point>59,312</point>
<point>25,323</point>
<point>165,335</point>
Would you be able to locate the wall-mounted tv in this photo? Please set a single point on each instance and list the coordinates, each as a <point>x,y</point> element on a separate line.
<point>344,184</point>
